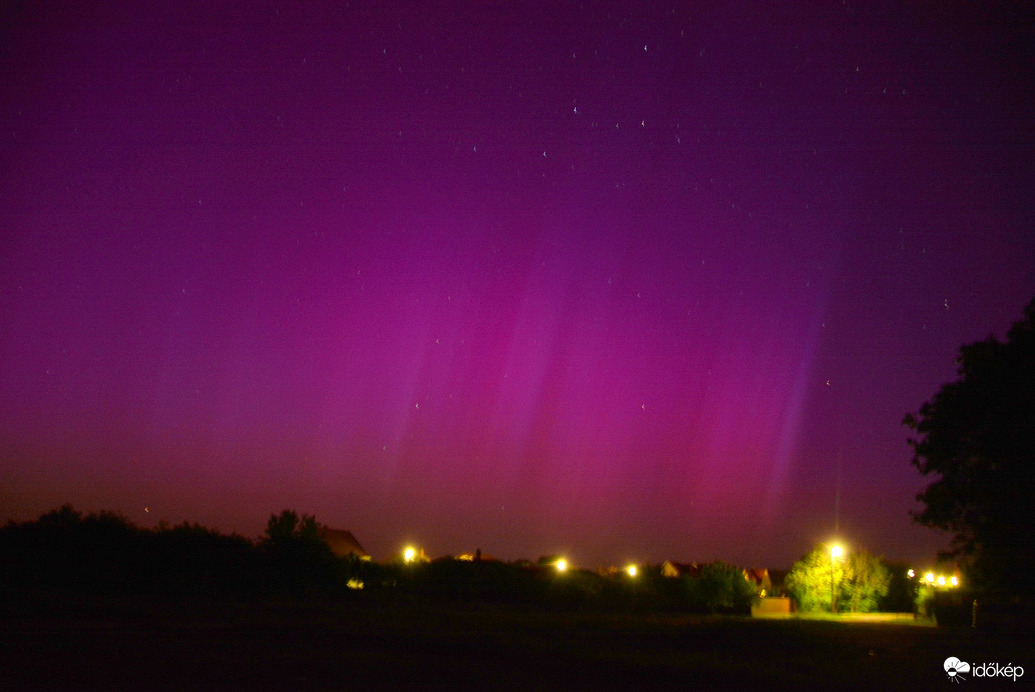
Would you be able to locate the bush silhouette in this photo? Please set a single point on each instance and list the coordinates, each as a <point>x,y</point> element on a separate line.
<point>720,587</point>
<point>64,548</point>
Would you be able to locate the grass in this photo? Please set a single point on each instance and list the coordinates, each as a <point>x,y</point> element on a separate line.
<point>907,619</point>
<point>68,642</point>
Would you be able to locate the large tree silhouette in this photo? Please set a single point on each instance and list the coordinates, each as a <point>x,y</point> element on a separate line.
<point>977,435</point>
<point>296,555</point>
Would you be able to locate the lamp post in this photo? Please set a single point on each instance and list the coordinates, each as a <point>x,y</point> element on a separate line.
<point>835,552</point>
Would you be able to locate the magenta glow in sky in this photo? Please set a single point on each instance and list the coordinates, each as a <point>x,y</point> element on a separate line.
<point>621,282</point>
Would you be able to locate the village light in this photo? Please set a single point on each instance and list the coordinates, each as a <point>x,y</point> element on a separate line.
<point>929,577</point>
<point>561,565</point>
<point>954,581</point>
<point>941,581</point>
<point>631,570</point>
<point>910,574</point>
<point>409,554</point>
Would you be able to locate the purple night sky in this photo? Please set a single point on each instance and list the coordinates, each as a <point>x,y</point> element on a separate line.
<point>625,283</point>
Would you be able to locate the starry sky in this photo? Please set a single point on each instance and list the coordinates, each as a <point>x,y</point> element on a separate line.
<point>623,281</point>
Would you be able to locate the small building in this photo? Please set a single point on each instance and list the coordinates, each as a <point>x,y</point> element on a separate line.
<point>342,543</point>
<point>680,569</point>
<point>760,578</point>
<point>476,556</point>
<point>772,606</point>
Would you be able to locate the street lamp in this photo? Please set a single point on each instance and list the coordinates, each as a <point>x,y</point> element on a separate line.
<point>836,551</point>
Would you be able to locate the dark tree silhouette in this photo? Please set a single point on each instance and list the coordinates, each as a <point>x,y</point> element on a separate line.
<point>721,587</point>
<point>977,435</point>
<point>65,548</point>
<point>297,557</point>
<point>283,526</point>
<point>190,558</point>
<point>105,552</point>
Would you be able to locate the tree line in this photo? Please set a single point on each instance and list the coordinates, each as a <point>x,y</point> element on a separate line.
<point>103,552</point>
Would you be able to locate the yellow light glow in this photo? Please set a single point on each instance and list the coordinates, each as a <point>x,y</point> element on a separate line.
<point>929,577</point>
<point>941,580</point>
<point>631,570</point>
<point>954,581</point>
<point>355,584</point>
<point>836,551</point>
<point>910,574</point>
<point>561,565</point>
<point>409,554</point>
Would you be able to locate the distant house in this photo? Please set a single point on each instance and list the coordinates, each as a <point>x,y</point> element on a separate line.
<point>342,543</point>
<point>760,577</point>
<point>476,556</point>
<point>679,569</point>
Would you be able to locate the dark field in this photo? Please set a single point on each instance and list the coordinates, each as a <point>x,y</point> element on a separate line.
<point>75,642</point>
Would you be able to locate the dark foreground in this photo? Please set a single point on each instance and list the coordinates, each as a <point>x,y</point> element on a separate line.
<point>65,642</point>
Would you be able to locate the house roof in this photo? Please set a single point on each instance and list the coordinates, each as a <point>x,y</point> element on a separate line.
<point>673,568</point>
<point>759,576</point>
<point>342,543</point>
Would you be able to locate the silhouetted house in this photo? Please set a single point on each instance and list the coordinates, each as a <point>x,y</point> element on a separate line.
<point>476,556</point>
<point>760,577</point>
<point>342,543</point>
<point>679,569</point>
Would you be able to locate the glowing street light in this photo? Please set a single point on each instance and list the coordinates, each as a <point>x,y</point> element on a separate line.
<point>409,554</point>
<point>561,565</point>
<point>631,570</point>
<point>933,580</point>
<point>836,551</point>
